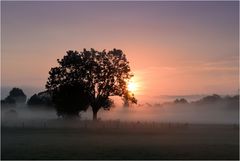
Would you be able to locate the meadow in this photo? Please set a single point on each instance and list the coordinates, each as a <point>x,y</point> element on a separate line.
<point>59,139</point>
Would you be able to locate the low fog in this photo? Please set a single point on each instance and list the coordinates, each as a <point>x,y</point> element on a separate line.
<point>173,114</point>
<point>213,113</point>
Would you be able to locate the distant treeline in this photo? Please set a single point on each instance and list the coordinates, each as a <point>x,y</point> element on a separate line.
<point>43,100</point>
<point>17,96</point>
<point>226,101</point>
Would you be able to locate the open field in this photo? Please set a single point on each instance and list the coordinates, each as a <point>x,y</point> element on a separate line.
<point>122,141</point>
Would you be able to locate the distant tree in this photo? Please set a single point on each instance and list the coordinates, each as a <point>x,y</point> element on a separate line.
<point>34,100</point>
<point>210,99</point>
<point>97,75</point>
<point>181,101</point>
<point>16,95</point>
<point>40,99</point>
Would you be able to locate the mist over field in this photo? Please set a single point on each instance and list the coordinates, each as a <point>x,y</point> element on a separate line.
<point>175,114</point>
<point>212,113</point>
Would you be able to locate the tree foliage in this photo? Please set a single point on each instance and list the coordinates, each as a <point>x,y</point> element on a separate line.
<point>98,75</point>
<point>16,95</point>
<point>70,99</point>
<point>40,99</point>
<point>180,101</point>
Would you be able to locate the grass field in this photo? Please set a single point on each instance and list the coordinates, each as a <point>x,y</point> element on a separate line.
<point>130,141</point>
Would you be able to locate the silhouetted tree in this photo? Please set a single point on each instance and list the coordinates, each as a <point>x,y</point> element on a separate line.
<point>40,99</point>
<point>209,99</point>
<point>16,95</point>
<point>98,75</point>
<point>181,101</point>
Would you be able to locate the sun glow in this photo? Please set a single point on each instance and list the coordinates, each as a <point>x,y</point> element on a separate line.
<point>132,87</point>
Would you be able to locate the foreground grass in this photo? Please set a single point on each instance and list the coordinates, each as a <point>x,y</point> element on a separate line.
<point>122,142</point>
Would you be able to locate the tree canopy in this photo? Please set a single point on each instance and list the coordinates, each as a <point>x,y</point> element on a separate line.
<point>16,95</point>
<point>40,99</point>
<point>94,76</point>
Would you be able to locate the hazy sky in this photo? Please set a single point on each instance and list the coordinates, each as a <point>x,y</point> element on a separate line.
<point>174,48</point>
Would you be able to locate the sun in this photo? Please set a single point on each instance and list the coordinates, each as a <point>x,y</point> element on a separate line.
<point>132,87</point>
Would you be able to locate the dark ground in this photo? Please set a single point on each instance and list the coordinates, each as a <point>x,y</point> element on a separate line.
<point>126,142</point>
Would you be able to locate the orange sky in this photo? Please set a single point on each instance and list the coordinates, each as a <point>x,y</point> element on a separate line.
<point>174,48</point>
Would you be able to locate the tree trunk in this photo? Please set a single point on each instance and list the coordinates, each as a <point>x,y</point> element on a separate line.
<point>94,115</point>
<point>95,109</point>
